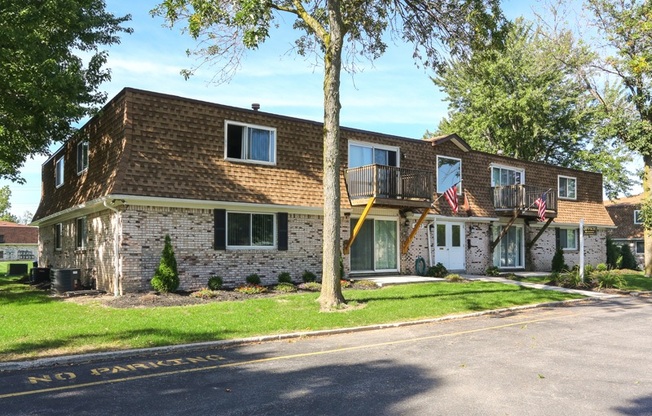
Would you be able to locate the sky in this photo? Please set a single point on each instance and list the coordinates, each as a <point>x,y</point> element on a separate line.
<point>391,95</point>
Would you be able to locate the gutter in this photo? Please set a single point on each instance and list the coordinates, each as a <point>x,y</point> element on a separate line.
<point>117,290</point>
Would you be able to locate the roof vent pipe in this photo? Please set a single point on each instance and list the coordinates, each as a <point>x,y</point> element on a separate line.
<point>255,106</point>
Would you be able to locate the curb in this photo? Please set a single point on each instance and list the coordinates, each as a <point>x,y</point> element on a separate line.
<point>92,357</point>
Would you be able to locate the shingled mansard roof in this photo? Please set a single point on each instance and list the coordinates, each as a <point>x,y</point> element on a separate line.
<point>159,148</point>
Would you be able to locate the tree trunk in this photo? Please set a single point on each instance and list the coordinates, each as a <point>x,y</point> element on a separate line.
<point>647,194</point>
<point>331,292</point>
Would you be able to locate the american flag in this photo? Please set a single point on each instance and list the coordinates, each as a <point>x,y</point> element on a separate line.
<point>451,197</point>
<point>541,203</point>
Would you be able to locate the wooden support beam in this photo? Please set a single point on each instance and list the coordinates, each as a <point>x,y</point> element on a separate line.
<point>505,229</point>
<point>358,225</point>
<point>406,244</point>
<point>536,237</point>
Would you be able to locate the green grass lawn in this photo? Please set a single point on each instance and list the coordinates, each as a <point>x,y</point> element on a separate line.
<point>37,325</point>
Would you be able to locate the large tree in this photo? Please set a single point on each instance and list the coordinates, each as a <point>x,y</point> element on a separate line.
<point>51,67</point>
<point>330,28</point>
<point>5,205</point>
<point>626,26</point>
<point>528,100</point>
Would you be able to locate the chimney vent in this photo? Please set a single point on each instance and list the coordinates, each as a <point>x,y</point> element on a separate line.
<point>255,106</point>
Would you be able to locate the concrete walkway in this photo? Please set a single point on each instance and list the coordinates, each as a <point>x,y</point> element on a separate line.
<point>405,279</point>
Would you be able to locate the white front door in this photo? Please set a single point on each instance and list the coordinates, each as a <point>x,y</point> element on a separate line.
<point>449,245</point>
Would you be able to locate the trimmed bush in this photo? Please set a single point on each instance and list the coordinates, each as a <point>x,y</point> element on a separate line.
<point>251,289</point>
<point>454,278</point>
<point>558,263</point>
<point>628,259</point>
<point>285,287</point>
<point>253,279</point>
<point>166,277</point>
<point>215,282</point>
<point>613,254</point>
<point>308,277</point>
<point>601,267</point>
<point>608,280</point>
<point>492,271</point>
<point>438,270</point>
<point>284,277</point>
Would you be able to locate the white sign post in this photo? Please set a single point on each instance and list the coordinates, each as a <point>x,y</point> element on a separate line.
<point>582,250</point>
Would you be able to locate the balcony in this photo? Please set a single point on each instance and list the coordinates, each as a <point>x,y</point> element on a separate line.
<point>520,200</point>
<point>390,185</point>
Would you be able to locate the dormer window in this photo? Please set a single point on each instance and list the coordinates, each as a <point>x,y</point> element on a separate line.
<point>250,143</point>
<point>567,187</point>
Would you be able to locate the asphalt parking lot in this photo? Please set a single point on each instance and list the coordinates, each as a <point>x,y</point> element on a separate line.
<point>592,358</point>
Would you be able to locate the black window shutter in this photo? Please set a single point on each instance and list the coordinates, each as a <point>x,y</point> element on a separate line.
<point>557,239</point>
<point>282,232</point>
<point>219,216</point>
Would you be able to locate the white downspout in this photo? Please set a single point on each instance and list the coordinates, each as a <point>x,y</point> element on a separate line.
<point>117,290</point>
<point>430,243</point>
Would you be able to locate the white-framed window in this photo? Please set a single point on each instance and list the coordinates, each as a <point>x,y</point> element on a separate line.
<point>638,216</point>
<point>245,229</point>
<point>362,154</point>
<point>567,187</point>
<point>58,235</point>
<point>505,175</point>
<point>80,232</point>
<point>58,172</point>
<point>568,238</point>
<point>449,173</point>
<point>639,247</point>
<point>82,156</point>
<point>250,143</point>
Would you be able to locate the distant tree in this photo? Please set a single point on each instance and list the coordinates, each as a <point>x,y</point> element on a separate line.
<point>335,30</point>
<point>45,84</point>
<point>528,101</point>
<point>26,218</point>
<point>5,205</point>
<point>626,29</point>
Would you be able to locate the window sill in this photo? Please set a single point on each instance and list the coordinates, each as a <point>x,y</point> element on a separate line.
<point>80,251</point>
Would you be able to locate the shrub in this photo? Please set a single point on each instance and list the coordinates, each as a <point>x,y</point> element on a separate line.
<point>310,286</point>
<point>628,261</point>
<point>166,277</point>
<point>613,253</point>
<point>601,267</point>
<point>454,277</point>
<point>558,263</point>
<point>285,287</point>
<point>253,279</point>
<point>308,277</point>
<point>345,283</point>
<point>438,270</point>
<point>366,284</point>
<point>607,280</point>
<point>215,283</point>
<point>284,277</point>
<point>492,271</point>
<point>204,293</point>
<point>251,289</point>
<point>571,280</point>
<point>588,270</point>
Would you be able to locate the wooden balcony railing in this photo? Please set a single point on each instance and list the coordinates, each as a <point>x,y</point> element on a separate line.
<point>523,197</point>
<point>388,183</point>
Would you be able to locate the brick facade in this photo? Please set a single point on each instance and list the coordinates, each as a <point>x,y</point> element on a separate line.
<point>158,165</point>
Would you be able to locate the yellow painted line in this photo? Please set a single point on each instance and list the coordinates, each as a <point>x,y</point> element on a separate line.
<point>283,357</point>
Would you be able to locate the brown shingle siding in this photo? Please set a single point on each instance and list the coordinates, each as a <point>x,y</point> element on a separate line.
<point>18,233</point>
<point>622,213</point>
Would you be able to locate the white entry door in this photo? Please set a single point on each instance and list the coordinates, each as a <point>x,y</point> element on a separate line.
<point>449,245</point>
